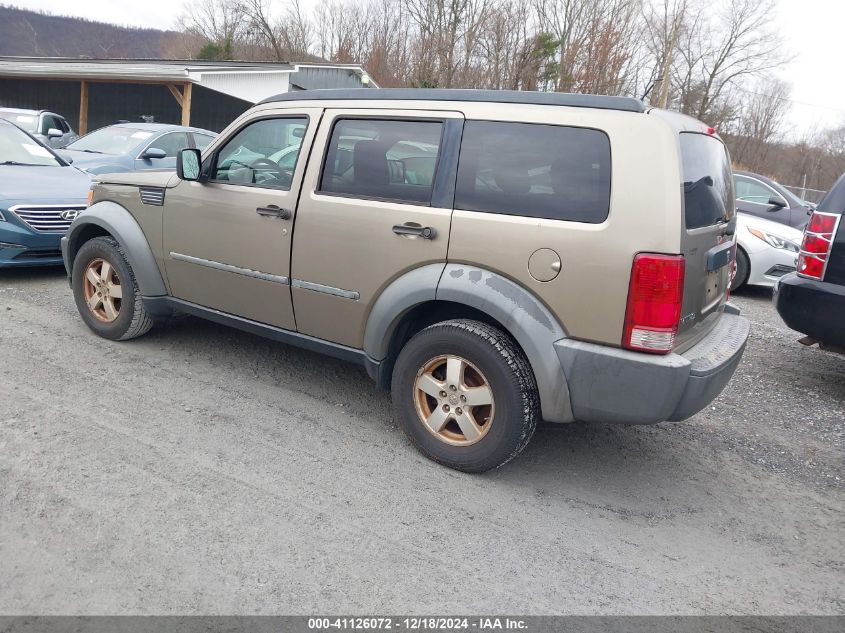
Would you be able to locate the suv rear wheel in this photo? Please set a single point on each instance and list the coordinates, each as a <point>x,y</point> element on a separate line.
<point>106,292</point>
<point>465,395</point>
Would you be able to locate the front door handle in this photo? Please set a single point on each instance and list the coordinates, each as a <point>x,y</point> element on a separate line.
<point>272,211</point>
<point>425,232</point>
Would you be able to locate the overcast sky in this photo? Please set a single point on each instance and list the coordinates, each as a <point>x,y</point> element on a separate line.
<point>811,30</point>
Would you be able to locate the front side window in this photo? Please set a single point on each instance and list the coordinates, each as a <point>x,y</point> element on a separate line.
<point>386,159</point>
<point>708,186</point>
<point>254,155</point>
<point>171,143</point>
<point>534,170</point>
<point>750,190</point>
<point>49,122</point>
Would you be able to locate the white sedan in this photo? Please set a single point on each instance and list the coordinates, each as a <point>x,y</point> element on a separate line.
<point>765,251</point>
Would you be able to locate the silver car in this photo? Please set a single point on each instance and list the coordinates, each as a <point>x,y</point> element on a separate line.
<point>51,129</point>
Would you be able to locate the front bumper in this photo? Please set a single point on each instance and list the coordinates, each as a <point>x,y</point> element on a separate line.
<point>20,247</point>
<point>607,384</point>
<point>814,308</point>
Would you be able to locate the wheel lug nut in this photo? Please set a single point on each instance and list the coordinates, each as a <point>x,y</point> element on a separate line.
<point>445,407</point>
<point>463,398</point>
<point>442,394</point>
<point>459,411</point>
<point>453,387</point>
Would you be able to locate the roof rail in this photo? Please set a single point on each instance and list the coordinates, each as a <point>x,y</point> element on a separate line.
<point>626,104</point>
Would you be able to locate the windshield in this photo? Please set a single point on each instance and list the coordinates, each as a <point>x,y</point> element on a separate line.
<point>708,184</point>
<point>28,122</point>
<point>16,148</point>
<point>114,139</point>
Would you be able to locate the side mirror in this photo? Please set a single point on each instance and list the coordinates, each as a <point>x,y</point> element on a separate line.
<point>154,152</point>
<point>777,201</point>
<point>54,133</point>
<point>188,164</point>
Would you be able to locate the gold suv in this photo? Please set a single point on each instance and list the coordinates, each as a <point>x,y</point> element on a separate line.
<point>493,258</point>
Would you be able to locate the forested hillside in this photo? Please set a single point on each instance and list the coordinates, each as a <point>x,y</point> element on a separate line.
<point>30,33</point>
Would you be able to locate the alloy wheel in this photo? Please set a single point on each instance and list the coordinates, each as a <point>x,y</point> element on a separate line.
<point>103,291</point>
<point>454,401</point>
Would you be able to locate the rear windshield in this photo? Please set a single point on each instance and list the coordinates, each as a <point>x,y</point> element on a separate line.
<point>708,185</point>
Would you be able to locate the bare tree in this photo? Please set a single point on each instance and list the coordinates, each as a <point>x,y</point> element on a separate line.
<point>218,22</point>
<point>716,53</point>
<point>759,123</point>
<point>664,22</point>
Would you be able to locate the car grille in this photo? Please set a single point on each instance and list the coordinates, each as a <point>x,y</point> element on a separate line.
<point>152,195</point>
<point>47,219</point>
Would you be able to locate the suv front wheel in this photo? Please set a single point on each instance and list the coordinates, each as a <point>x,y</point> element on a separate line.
<point>106,292</point>
<point>465,395</point>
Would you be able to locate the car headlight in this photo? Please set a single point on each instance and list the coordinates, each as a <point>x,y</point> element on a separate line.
<point>775,241</point>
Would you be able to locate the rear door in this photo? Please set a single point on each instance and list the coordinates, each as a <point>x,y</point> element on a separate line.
<point>709,251</point>
<point>376,203</point>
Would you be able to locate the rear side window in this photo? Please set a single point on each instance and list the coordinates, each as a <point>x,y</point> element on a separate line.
<point>534,170</point>
<point>385,159</point>
<point>708,186</point>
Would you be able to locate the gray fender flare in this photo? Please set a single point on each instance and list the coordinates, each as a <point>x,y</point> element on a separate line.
<point>119,223</point>
<point>521,313</point>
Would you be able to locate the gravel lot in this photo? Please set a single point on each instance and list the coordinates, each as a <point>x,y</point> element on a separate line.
<point>203,470</point>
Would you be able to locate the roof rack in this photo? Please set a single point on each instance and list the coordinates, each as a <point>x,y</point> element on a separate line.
<point>626,104</point>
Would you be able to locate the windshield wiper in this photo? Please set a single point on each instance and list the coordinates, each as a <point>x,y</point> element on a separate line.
<point>19,164</point>
<point>89,151</point>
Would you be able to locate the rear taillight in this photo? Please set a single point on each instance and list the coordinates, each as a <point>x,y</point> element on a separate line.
<point>815,248</point>
<point>655,294</point>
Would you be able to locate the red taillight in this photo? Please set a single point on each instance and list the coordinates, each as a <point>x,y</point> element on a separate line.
<point>815,248</point>
<point>655,294</point>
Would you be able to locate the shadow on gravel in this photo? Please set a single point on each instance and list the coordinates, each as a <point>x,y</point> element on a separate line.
<point>12,276</point>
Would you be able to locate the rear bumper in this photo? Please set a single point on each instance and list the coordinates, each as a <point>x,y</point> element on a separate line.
<point>607,384</point>
<point>814,308</point>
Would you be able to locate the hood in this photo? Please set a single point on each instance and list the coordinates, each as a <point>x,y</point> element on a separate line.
<point>42,185</point>
<point>96,163</point>
<point>145,178</point>
<point>744,220</point>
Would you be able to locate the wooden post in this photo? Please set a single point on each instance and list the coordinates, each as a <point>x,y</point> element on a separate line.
<point>186,104</point>
<point>83,107</point>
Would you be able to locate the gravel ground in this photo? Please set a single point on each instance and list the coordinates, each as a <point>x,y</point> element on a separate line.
<point>203,470</point>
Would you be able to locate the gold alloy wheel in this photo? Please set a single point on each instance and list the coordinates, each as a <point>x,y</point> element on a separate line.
<point>102,289</point>
<point>453,400</point>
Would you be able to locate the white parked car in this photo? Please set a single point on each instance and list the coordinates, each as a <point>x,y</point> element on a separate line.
<point>765,252</point>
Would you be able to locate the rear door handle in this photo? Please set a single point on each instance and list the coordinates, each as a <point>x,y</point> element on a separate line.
<point>272,211</point>
<point>425,232</point>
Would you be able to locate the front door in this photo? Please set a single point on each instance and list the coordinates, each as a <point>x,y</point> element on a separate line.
<point>753,196</point>
<point>376,203</point>
<point>227,240</point>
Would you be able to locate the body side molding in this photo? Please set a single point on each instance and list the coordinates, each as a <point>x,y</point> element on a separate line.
<point>117,221</point>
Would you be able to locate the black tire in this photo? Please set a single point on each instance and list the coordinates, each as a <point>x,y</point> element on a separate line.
<point>743,268</point>
<point>132,318</point>
<point>511,381</point>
